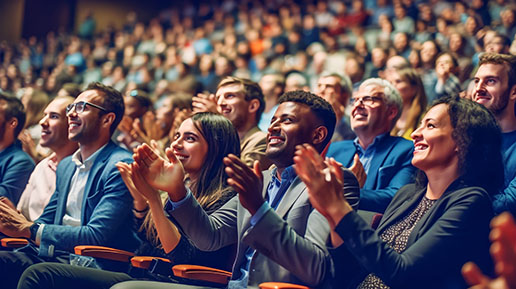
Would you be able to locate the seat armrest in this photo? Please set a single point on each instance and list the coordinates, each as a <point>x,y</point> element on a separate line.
<point>281,285</point>
<point>202,273</point>
<point>103,253</point>
<point>14,242</point>
<point>144,262</point>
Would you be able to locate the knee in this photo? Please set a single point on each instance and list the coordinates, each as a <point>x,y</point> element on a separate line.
<point>36,276</point>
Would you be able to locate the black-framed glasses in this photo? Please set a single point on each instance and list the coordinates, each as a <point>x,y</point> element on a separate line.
<point>80,105</point>
<point>366,100</point>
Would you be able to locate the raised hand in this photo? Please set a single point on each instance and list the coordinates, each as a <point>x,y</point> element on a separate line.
<point>161,174</point>
<point>247,182</point>
<point>204,103</point>
<point>358,170</point>
<point>503,251</point>
<point>324,183</point>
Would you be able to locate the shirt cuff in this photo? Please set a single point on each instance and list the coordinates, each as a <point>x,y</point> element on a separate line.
<point>171,206</point>
<point>39,233</point>
<point>264,208</point>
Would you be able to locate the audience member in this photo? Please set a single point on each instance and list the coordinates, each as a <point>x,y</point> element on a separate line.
<point>91,204</point>
<point>272,85</point>
<point>42,181</point>
<point>337,89</point>
<point>445,69</point>
<point>200,144</point>
<point>15,165</point>
<point>241,101</point>
<point>409,85</point>
<point>495,88</point>
<point>279,236</point>
<point>381,162</point>
<point>444,216</point>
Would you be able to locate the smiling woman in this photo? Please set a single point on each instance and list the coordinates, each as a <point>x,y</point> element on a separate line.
<point>431,228</point>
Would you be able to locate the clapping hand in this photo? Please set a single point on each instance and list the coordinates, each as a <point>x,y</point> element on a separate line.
<point>12,222</point>
<point>247,182</point>
<point>358,170</point>
<point>324,181</point>
<point>503,251</point>
<point>161,174</point>
<point>204,103</point>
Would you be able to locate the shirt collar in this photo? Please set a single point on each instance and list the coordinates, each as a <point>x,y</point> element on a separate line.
<point>88,163</point>
<point>376,140</point>
<point>289,173</point>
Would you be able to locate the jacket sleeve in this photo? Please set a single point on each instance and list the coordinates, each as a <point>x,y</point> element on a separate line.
<point>108,215</point>
<point>457,236</point>
<point>15,176</point>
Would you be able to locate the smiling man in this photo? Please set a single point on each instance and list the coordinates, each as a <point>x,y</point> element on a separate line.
<point>495,88</point>
<point>380,161</point>
<point>54,135</point>
<point>241,101</point>
<point>91,204</point>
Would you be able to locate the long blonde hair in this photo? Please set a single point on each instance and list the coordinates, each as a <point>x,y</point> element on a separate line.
<point>419,101</point>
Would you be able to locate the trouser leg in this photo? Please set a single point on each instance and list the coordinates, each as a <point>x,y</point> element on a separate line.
<point>12,265</point>
<point>54,276</point>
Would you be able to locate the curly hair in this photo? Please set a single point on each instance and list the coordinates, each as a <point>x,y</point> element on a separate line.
<point>478,138</point>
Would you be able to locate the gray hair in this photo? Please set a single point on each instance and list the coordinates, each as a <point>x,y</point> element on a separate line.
<point>392,95</point>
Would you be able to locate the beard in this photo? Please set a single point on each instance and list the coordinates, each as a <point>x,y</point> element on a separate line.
<point>499,106</point>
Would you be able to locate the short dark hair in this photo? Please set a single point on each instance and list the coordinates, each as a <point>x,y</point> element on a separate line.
<point>113,101</point>
<point>478,138</point>
<point>320,107</point>
<point>141,97</point>
<point>251,89</point>
<point>14,109</point>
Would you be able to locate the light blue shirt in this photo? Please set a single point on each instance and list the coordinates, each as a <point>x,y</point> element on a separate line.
<point>367,155</point>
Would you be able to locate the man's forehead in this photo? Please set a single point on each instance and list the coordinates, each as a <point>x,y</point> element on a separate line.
<point>370,90</point>
<point>491,70</point>
<point>58,105</point>
<point>291,108</point>
<point>230,88</point>
<point>91,96</point>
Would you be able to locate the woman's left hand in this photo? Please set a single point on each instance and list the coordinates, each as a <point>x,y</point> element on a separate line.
<point>324,183</point>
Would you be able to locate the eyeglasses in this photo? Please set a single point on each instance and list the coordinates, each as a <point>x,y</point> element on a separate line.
<point>366,100</point>
<point>79,107</point>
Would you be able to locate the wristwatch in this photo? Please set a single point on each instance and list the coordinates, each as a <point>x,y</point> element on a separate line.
<point>33,231</point>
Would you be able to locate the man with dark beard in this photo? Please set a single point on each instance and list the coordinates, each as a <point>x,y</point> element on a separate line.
<point>495,88</point>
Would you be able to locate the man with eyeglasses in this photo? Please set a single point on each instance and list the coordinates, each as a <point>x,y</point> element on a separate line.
<point>91,204</point>
<point>381,162</point>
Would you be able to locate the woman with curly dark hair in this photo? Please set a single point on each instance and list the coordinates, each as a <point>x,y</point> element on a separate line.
<point>431,228</point>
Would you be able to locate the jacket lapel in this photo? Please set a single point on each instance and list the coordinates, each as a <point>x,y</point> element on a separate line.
<point>295,190</point>
<point>393,215</point>
<point>383,149</point>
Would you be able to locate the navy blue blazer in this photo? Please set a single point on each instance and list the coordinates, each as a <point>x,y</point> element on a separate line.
<point>390,169</point>
<point>106,215</point>
<point>15,169</point>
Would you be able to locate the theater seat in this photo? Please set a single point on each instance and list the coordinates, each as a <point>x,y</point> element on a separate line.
<point>104,253</point>
<point>14,243</point>
<point>202,273</point>
<point>281,285</point>
<point>143,262</point>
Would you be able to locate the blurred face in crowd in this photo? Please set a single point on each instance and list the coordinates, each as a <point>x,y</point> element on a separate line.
<point>407,91</point>
<point>190,147</point>
<point>133,107</point>
<point>434,147</point>
<point>428,51</point>
<point>330,89</point>
<point>54,125</point>
<point>165,115</point>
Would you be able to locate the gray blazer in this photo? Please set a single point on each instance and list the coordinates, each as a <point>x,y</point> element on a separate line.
<point>290,242</point>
